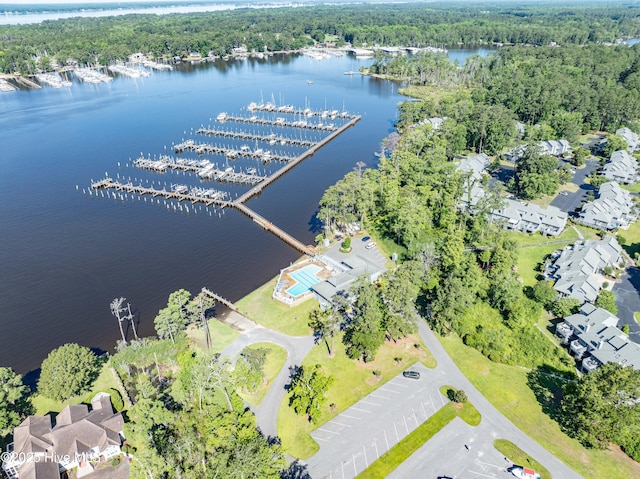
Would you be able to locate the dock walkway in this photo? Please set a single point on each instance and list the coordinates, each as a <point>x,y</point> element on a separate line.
<point>243,135</point>
<point>279,122</point>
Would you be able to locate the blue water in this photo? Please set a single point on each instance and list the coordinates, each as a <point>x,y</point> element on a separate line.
<point>66,255</point>
<point>305,278</point>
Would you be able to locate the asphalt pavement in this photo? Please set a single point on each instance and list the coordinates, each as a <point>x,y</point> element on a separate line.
<point>628,300</point>
<point>572,201</point>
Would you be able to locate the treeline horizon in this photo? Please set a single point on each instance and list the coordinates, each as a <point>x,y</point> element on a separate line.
<point>26,49</point>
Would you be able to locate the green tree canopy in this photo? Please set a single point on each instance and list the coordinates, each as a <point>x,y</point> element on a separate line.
<point>307,391</point>
<point>13,404</point>
<point>68,371</point>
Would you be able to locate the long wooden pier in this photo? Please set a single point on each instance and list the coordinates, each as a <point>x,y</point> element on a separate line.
<point>211,197</point>
<point>269,226</point>
<point>220,299</point>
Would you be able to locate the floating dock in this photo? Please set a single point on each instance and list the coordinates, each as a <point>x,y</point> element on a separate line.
<point>231,153</point>
<point>272,138</point>
<point>203,168</point>
<point>279,122</point>
<point>308,112</point>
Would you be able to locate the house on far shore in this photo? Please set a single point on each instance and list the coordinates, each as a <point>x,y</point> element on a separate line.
<point>79,438</point>
<point>530,218</point>
<point>578,270</point>
<point>630,137</point>
<point>594,339</point>
<point>614,208</point>
<point>621,167</point>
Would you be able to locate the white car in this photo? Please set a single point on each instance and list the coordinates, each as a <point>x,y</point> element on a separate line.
<point>370,245</point>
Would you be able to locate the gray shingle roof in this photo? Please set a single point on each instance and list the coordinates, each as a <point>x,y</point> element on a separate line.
<point>614,208</point>
<point>621,167</point>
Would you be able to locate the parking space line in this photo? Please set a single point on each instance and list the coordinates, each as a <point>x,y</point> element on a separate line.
<point>424,410</point>
<point>351,417</point>
<point>358,409</point>
<point>366,461</point>
<point>378,396</point>
<point>415,418</point>
<point>340,424</point>
<point>405,424</point>
<point>321,439</point>
<point>385,438</point>
<point>367,402</point>
<point>389,390</point>
<point>397,437</point>
<point>375,443</point>
<point>400,384</point>
<point>331,432</point>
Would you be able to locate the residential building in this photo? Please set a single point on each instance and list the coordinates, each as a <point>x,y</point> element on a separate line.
<point>614,208</point>
<point>473,167</point>
<point>594,339</point>
<point>621,167</point>
<point>548,147</point>
<point>578,269</point>
<point>630,137</point>
<point>79,437</point>
<point>530,218</point>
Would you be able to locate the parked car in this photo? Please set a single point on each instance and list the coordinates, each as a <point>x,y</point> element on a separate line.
<point>366,238</point>
<point>371,245</point>
<point>411,374</point>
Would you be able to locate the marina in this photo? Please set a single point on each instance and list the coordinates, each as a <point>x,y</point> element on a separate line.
<point>207,170</point>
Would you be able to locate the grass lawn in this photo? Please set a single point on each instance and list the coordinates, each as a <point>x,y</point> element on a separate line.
<point>276,356</point>
<point>353,381</point>
<point>221,335</point>
<point>518,456</point>
<point>399,453</point>
<point>636,316</point>
<point>545,325</point>
<point>263,309</point>
<point>635,188</point>
<point>523,239</point>
<point>632,238</point>
<point>506,387</point>
<point>104,382</point>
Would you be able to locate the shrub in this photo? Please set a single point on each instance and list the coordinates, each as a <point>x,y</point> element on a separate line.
<point>346,244</point>
<point>460,396</point>
<point>68,371</point>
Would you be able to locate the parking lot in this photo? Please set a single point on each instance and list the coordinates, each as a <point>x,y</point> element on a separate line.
<point>351,441</point>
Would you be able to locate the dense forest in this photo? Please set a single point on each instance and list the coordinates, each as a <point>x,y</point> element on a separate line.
<point>90,40</point>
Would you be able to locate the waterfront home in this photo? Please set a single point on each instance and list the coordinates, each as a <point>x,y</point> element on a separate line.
<point>594,339</point>
<point>630,137</point>
<point>578,270</point>
<point>613,208</point>
<point>80,437</point>
<point>530,218</point>
<point>621,167</point>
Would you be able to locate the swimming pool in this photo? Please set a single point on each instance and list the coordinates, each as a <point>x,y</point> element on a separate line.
<point>305,278</point>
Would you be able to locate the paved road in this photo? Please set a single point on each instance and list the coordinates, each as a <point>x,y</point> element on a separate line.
<point>495,423</point>
<point>297,348</point>
<point>571,201</point>
<point>627,293</point>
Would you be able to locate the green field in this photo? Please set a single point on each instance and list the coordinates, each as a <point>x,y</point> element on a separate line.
<point>353,381</point>
<point>508,389</point>
<point>221,335</point>
<point>518,456</point>
<point>260,307</point>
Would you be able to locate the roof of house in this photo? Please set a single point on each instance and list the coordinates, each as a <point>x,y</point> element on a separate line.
<point>515,211</point>
<point>475,167</point>
<point>621,166</point>
<point>614,207</point>
<point>356,266</point>
<point>630,137</point>
<point>577,266</point>
<point>77,431</point>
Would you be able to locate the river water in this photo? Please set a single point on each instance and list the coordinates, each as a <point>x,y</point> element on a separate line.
<point>65,255</point>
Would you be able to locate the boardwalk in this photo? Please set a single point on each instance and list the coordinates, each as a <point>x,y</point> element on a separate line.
<point>280,122</point>
<point>271,138</point>
<point>220,299</point>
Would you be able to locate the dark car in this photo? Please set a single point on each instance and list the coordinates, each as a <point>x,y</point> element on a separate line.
<point>411,374</point>
<point>366,238</point>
